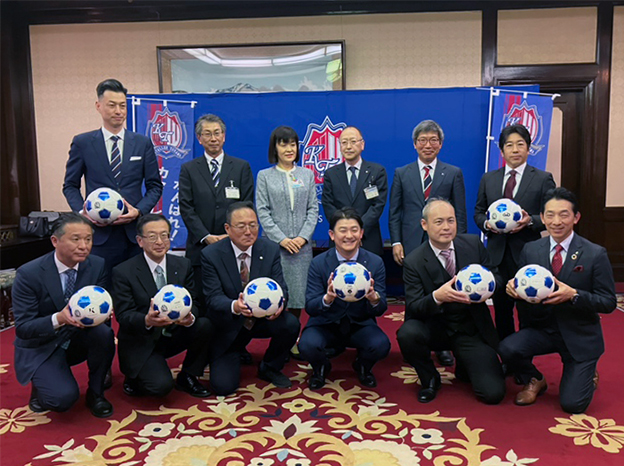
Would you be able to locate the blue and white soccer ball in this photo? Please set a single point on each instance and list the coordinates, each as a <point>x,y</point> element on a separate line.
<point>351,281</point>
<point>503,215</point>
<point>263,296</point>
<point>534,283</point>
<point>91,305</point>
<point>173,301</point>
<point>476,282</point>
<point>104,205</point>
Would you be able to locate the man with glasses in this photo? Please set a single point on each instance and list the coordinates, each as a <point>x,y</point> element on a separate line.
<point>359,184</point>
<point>147,339</point>
<point>227,267</point>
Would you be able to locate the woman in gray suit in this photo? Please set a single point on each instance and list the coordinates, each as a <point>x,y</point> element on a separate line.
<point>288,211</point>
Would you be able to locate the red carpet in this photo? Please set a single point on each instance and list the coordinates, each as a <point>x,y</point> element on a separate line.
<point>343,424</point>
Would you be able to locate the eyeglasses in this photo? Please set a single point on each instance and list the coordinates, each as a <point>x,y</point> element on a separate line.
<point>210,134</point>
<point>350,142</point>
<point>519,144</point>
<point>424,141</point>
<point>242,227</point>
<point>153,237</point>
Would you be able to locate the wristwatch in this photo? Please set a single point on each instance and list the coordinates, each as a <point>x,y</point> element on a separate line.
<point>575,299</point>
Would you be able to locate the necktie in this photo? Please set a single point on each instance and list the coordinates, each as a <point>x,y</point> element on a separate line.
<point>427,182</point>
<point>244,271</point>
<point>115,158</point>
<point>353,181</point>
<point>160,277</point>
<point>70,283</point>
<point>510,185</point>
<point>449,261</point>
<point>214,171</point>
<point>557,260</point>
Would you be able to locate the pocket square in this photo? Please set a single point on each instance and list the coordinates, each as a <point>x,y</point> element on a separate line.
<point>135,159</point>
<point>578,268</point>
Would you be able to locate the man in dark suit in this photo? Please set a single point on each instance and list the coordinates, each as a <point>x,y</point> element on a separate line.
<point>526,185</point>
<point>113,157</point>
<point>568,321</point>
<point>359,184</point>
<point>147,339</point>
<point>47,339</point>
<point>336,323</point>
<point>208,186</point>
<point>227,267</point>
<point>437,316</point>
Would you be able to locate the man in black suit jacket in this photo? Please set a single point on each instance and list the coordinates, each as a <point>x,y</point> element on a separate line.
<point>147,339</point>
<point>336,323</point>
<point>437,316</point>
<point>527,187</point>
<point>93,155</point>
<point>359,184</point>
<point>227,267</point>
<point>208,186</point>
<point>568,321</point>
<point>47,339</point>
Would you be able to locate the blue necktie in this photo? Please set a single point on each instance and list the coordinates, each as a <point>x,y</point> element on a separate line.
<point>116,158</point>
<point>353,181</point>
<point>70,283</point>
<point>214,171</point>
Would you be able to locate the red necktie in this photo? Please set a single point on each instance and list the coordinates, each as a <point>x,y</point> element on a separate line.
<point>510,185</point>
<point>427,182</point>
<point>557,260</point>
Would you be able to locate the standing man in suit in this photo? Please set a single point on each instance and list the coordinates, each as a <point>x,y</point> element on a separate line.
<point>208,186</point>
<point>334,322</point>
<point>568,321</point>
<point>47,339</point>
<point>359,184</point>
<point>413,185</point>
<point>227,267</point>
<point>439,317</point>
<point>147,339</point>
<point>526,185</point>
<point>113,157</point>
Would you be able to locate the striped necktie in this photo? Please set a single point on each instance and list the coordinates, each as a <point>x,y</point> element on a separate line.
<point>427,182</point>
<point>449,261</point>
<point>214,171</point>
<point>115,158</point>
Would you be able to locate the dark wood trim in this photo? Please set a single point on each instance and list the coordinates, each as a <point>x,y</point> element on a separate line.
<point>489,45</point>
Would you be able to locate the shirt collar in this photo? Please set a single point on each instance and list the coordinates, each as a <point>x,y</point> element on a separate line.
<point>107,134</point>
<point>218,158</point>
<point>437,251</point>
<point>519,169</point>
<point>565,243</point>
<point>357,165</point>
<point>62,267</point>
<point>238,252</point>
<point>152,265</point>
<point>422,165</point>
<point>344,259</point>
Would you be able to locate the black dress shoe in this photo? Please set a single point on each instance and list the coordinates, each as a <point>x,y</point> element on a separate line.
<point>130,388</point>
<point>317,379</point>
<point>266,372</point>
<point>98,405</point>
<point>188,383</point>
<point>365,375</point>
<point>33,403</point>
<point>445,358</point>
<point>245,358</point>
<point>108,379</point>
<point>428,393</point>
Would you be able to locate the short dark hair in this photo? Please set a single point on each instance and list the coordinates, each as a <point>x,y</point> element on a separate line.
<point>238,206</point>
<point>561,194</point>
<point>58,227</point>
<point>208,118</point>
<point>143,220</point>
<point>110,85</point>
<point>282,134</point>
<point>346,213</point>
<point>511,129</point>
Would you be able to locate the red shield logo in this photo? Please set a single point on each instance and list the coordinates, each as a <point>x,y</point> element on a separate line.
<point>320,147</point>
<point>168,134</point>
<point>527,116</point>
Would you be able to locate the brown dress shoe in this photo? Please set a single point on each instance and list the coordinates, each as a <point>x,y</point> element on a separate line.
<point>531,391</point>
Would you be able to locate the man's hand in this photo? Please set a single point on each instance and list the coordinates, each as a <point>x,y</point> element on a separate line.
<point>154,319</point>
<point>63,317</point>
<point>372,295</point>
<point>491,229</point>
<point>447,294</point>
<point>511,289</point>
<point>398,253</point>
<point>129,216</point>
<point>329,297</point>
<point>523,223</point>
<point>186,321</point>
<point>85,215</point>
<point>563,294</point>
<point>290,245</point>
<point>277,314</point>
<point>241,308</point>
<point>211,239</point>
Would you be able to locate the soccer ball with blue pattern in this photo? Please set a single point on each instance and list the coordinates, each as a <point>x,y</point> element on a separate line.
<point>91,305</point>
<point>173,301</point>
<point>104,205</point>
<point>351,281</point>
<point>503,215</point>
<point>534,283</point>
<point>263,296</point>
<point>476,282</point>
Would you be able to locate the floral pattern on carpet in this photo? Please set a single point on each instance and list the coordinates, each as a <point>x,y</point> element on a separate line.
<point>587,430</point>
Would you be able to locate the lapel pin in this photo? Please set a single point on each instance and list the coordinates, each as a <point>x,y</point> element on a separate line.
<point>575,256</point>
<point>261,258</point>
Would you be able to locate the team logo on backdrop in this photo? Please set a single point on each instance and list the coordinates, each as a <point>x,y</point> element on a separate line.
<point>320,147</point>
<point>168,134</point>
<point>527,116</point>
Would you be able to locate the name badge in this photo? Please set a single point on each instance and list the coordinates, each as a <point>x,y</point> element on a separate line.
<point>232,192</point>
<point>371,192</point>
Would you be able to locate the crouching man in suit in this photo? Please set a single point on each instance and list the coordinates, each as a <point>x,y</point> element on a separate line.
<point>227,267</point>
<point>438,317</point>
<point>47,339</point>
<point>336,323</point>
<point>568,321</point>
<point>147,339</point>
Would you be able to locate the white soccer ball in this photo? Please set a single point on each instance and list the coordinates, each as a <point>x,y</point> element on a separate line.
<point>91,305</point>
<point>263,296</point>
<point>534,283</point>
<point>476,282</point>
<point>173,301</point>
<point>104,205</point>
<point>351,281</point>
<point>503,215</point>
